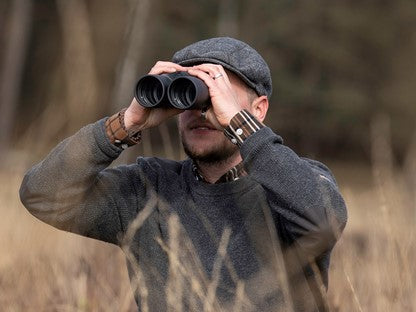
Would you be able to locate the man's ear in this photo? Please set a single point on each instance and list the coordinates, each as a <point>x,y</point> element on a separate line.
<point>259,107</point>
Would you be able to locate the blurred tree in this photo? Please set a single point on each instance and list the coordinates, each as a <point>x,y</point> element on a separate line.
<point>134,44</point>
<point>78,64</point>
<point>333,68</point>
<point>12,65</point>
<point>228,18</point>
<point>334,64</point>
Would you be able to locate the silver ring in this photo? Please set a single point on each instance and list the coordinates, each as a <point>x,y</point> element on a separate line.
<point>217,76</point>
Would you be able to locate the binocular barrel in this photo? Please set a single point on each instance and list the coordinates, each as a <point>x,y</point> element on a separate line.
<point>179,90</point>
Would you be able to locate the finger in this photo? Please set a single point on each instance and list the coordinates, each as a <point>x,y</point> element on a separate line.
<point>217,84</point>
<point>162,70</point>
<point>223,90</point>
<point>165,67</point>
<point>204,76</point>
<point>218,78</point>
<point>214,70</point>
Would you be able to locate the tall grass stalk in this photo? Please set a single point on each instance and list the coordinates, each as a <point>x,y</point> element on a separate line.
<point>43,269</point>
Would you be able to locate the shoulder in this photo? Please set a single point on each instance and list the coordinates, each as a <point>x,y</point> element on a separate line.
<point>321,168</point>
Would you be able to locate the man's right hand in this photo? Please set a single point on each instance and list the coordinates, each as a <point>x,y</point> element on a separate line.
<point>138,117</point>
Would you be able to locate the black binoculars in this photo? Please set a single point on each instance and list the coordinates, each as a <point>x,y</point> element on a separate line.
<point>178,89</point>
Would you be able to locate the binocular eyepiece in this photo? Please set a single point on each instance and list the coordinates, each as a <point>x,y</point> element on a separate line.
<point>178,89</point>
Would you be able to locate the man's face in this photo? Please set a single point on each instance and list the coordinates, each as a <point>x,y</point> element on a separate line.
<point>201,140</point>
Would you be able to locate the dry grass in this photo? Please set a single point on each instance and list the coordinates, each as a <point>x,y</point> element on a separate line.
<point>42,269</point>
<point>373,263</point>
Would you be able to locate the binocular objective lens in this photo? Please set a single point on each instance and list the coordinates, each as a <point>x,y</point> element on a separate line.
<point>157,94</point>
<point>150,91</point>
<point>190,94</point>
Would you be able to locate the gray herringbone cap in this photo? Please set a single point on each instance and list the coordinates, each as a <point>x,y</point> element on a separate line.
<point>232,54</point>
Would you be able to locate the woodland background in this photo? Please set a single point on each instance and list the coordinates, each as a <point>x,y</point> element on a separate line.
<point>344,78</point>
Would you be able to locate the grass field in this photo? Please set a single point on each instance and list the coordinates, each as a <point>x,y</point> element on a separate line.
<point>372,268</point>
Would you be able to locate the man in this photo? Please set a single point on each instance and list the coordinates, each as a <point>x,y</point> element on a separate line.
<point>244,224</point>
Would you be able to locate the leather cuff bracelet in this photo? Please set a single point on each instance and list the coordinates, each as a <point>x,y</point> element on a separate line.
<point>242,125</point>
<point>118,134</point>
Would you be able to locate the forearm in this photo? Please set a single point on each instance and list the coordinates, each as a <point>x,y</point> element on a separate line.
<point>302,193</point>
<point>54,189</point>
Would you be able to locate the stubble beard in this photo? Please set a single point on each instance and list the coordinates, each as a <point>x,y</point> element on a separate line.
<point>221,153</point>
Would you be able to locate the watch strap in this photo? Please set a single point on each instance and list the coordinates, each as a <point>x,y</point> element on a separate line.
<point>118,134</point>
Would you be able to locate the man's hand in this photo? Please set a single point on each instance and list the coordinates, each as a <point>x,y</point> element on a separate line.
<point>225,102</point>
<point>138,117</point>
<point>224,99</point>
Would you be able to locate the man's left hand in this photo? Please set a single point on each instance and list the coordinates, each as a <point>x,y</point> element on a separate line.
<point>224,99</point>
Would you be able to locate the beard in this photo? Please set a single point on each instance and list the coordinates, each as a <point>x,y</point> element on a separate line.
<point>218,154</point>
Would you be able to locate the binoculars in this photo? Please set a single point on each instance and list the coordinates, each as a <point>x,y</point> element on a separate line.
<point>178,89</point>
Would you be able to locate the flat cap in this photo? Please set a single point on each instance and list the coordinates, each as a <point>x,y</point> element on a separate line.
<point>232,54</point>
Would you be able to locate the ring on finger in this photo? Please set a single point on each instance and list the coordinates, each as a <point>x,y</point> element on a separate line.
<point>217,76</point>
